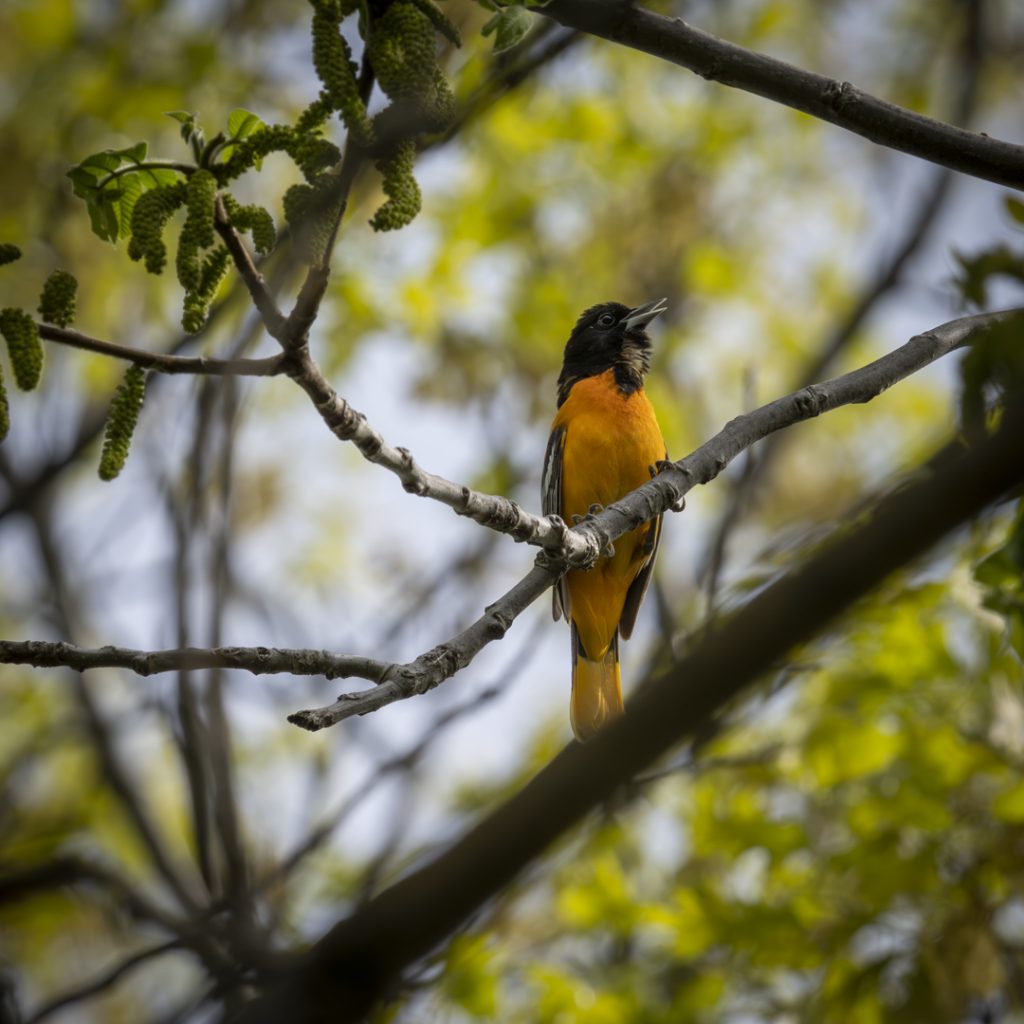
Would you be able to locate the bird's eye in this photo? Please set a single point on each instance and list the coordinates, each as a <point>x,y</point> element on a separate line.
<point>605,320</point>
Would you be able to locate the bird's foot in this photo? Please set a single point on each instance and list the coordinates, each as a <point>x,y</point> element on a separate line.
<point>592,513</point>
<point>662,466</point>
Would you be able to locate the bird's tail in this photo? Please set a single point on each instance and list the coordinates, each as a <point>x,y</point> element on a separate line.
<point>596,688</point>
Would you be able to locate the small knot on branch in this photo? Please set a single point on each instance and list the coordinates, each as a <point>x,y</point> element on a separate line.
<point>371,446</point>
<point>559,531</point>
<point>838,94</point>
<point>465,507</point>
<point>595,543</point>
<point>499,624</point>
<point>410,475</point>
<point>504,516</point>
<point>711,71</point>
<point>438,664</point>
<point>308,720</point>
<point>810,401</point>
<point>343,420</point>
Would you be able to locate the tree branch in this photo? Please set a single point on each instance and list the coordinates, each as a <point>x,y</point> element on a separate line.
<point>107,980</point>
<point>581,546</point>
<point>257,660</point>
<point>888,275</point>
<point>661,494</point>
<point>439,663</point>
<point>493,511</point>
<point>364,955</point>
<point>262,298</point>
<point>839,103</point>
<point>269,367</point>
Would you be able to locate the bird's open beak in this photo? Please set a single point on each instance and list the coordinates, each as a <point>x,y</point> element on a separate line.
<point>643,315</point>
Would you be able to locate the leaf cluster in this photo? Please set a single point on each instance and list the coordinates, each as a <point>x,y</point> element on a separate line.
<point>121,421</point>
<point>993,368</point>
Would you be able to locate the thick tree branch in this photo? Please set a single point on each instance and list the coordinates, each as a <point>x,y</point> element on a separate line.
<point>363,956</point>
<point>888,275</point>
<point>840,103</point>
<point>269,367</point>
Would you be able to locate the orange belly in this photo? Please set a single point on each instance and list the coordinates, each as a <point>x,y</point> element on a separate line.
<point>611,442</point>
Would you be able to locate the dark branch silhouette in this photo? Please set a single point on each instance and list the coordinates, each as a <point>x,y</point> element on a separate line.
<point>363,957</point>
<point>839,103</point>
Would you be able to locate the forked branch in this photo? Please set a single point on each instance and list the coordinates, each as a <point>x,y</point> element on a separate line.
<point>661,494</point>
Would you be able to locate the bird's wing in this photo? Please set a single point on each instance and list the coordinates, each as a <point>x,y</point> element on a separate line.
<point>551,504</point>
<point>638,588</point>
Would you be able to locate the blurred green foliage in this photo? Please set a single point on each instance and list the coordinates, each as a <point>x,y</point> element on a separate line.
<point>847,847</point>
<point>851,854</point>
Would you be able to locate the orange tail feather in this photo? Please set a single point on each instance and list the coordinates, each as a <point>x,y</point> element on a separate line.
<point>596,689</point>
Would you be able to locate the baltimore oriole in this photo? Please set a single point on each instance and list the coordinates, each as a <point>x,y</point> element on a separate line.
<point>605,442</point>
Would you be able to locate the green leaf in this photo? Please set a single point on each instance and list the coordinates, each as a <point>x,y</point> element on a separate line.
<point>508,27</point>
<point>107,160</point>
<point>181,116</point>
<point>103,218</point>
<point>189,123</point>
<point>130,190</point>
<point>136,153</point>
<point>83,181</point>
<point>151,177</point>
<point>1015,207</point>
<point>242,123</point>
<point>976,271</point>
<point>1009,805</point>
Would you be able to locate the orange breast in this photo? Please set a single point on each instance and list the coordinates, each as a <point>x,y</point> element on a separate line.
<point>611,441</point>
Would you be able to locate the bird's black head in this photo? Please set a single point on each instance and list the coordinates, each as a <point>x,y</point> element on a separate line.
<point>610,336</point>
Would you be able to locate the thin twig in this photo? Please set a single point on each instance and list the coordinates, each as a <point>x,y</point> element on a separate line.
<point>104,981</point>
<point>257,660</point>
<point>271,366</point>
<point>262,298</point>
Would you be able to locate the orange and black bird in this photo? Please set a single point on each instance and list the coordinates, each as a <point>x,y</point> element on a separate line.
<point>605,442</point>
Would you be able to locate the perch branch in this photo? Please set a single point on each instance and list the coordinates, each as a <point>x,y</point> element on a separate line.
<point>659,495</point>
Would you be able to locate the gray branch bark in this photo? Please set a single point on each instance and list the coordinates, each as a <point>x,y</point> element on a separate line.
<point>662,494</point>
<point>839,103</point>
<point>164,362</point>
<point>257,660</point>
